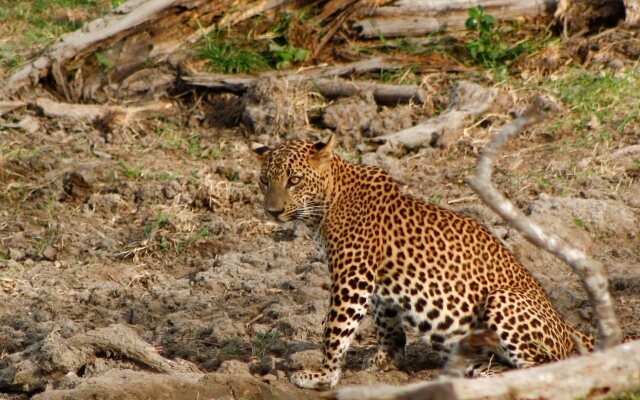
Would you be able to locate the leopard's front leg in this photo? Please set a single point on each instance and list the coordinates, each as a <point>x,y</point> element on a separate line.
<point>350,295</point>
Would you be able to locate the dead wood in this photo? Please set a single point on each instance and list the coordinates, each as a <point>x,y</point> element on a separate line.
<point>632,12</point>
<point>330,88</point>
<point>7,106</point>
<point>113,115</point>
<point>581,17</point>
<point>122,341</point>
<point>358,67</point>
<point>45,362</point>
<point>607,372</point>
<point>625,151</point>
<point>242,14</point>
<point>592,273</point>
<point>128,384</point>
<point>127,39</point>
<point>418,17</point>
<point>469,101</point>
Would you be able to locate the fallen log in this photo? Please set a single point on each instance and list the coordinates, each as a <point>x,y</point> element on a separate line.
<point>128,38</point>
<point>122,341</point>
<point>469,101</point>
<point>330,88</point>
<point>578,17</point>
<point>92,112</point>
<point>50,360</point>
<point>632,12</point>
<point>607,372</point>
<point>129,384</point>
<point>419,17</point>
<point>7,106</point>
<point>358,67</point>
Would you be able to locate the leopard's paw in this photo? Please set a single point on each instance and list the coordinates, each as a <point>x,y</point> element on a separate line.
<point>314,380</point>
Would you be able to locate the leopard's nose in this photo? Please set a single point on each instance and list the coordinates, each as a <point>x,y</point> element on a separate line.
<point>275,213</point>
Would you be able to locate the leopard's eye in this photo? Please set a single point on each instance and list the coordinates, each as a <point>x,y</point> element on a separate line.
<point>264,180</point>
<point>294,180</point>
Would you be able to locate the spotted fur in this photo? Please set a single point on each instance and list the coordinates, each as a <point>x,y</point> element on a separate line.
<point>419,266</point>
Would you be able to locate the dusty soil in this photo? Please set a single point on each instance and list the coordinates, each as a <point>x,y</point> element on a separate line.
<point>158,226</point>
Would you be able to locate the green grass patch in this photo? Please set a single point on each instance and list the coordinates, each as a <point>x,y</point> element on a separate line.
<point>233,347</point>
<point>197,237</point>
<point>270,48</point>
<point>27,26</point>
<point>495,48</point>
<point>135,172</point>
<point>105,62</point>
<point>601,103</point>
<point>227,55</point>
<point>262,341</point>
<point>601,95</point>
<point>626,396</point>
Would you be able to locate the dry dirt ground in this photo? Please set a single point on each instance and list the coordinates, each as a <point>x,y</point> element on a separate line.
<point>156,230</point>
<point>159,227</point>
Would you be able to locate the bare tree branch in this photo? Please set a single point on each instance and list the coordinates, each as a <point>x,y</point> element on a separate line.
<point>595,375</point>
<point>592,273</point>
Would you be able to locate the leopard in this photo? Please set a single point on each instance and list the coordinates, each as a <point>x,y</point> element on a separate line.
<point>416,266</point>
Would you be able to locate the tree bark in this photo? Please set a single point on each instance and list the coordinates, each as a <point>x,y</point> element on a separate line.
<point>330,88</point>
<point>632,12</point>
<point>599,374</point>
<point>470,101</point>
<point>129,37</point>
<point>418,17</point>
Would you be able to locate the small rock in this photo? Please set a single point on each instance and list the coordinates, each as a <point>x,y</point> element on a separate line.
<point>306,359</point>
<point>282,364</point>
<point>218,228</point>
<point>50,253</point>
<point>16,254</point>
<point>252,259</point>
<point>76,185</point>
<point>234,367</point>
<point>267,365</point>
<point>29,263</point>
<point>259,329</point>
<point>281,374</point>
<point>107,243</point>
<point>269,378</point>
<point>29,125</point>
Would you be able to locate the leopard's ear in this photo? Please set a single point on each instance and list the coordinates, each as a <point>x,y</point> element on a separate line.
<point>324,150</point>
<point>260,150</point>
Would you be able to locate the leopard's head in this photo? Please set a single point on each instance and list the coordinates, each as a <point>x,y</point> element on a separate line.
<point>294,179</point>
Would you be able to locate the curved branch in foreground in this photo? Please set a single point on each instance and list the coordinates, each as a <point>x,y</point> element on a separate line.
<point>595,375</point>
<point>592,273</point>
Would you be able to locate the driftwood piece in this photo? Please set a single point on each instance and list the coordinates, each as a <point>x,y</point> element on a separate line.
<point>470,100</point>
<point>50,360</point>
<point>122,341</point>
<point>129,384</point>
<point>606,372</point>
<point>7,106</point>
<point>632,12</point>
<point>592,273</point>
<point>358,67</point>
<point>418,17</point>
<point>242,14</point>
<point>625,151</point>
<point>128,16</point>
<point>581,17</point>
<point>127,40</point>
<point>330,88</point>
<point>115,115</point>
